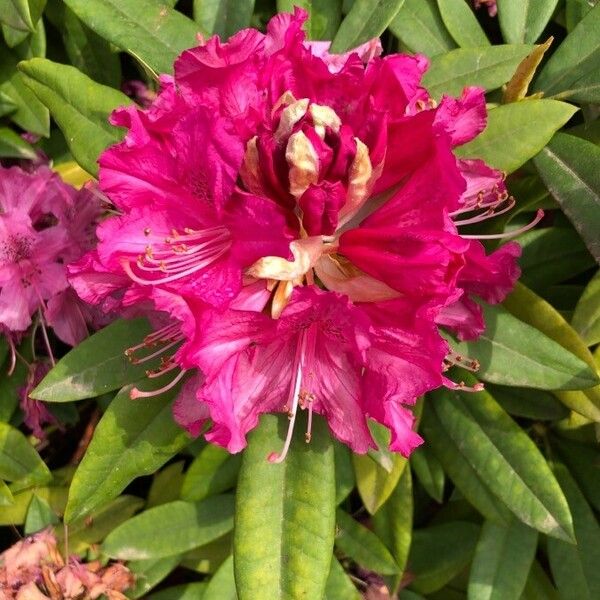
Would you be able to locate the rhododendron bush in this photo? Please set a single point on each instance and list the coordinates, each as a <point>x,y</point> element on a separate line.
<point>299,300</point>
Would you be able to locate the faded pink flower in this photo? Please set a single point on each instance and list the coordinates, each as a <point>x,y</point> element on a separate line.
<point>490,4</point>
<point>35,412</point>
<point>296,215</point>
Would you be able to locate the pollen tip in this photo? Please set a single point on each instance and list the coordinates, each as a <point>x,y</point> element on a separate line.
<point>272,457</point>
<point>134,394</point>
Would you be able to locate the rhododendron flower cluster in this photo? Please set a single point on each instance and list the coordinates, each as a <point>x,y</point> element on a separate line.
<point>296,217</point>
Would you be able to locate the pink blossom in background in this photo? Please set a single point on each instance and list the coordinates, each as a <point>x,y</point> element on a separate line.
<point>490,4</point>
<point>296,217</point>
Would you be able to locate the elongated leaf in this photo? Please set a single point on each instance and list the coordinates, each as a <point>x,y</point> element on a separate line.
<point>209,557</point>
<point>506,460</point>
<point>39,516</point>
<point>150,31</point>
<point>18,458</point>
<point>222,17</point>
<point>462,24</point>
<point>429,471</point>
<point>516,132</point>
<point>285,514</point>
<point>170,529</point>
<point>436,557</point>
<point>528,403</point>
<point>575,568</point>
<point>133,438</point>
<point>13,145</point>
<point>586,319</point>
<point>513,353</point>
<point>570,168</point>
<point>539,585</point>
<point>363,546</point>
<point>222,584</point>
<point>575,10</point>
<point>21,14</point>
<point>502,561</point>
<point>460,470</point>
<point>15,513</point>
<point>344,472</point>
<point>97,366</point>
<point>488,67</point>
<point>524,21</point>
<point>186,591</point>
<point>324,16</point>
<point>572,71</point>
<point>339,586</point>
<point>166,485</point>
<point>419,26</point>
<point>150,572</point>
<point>213,471</point>
<point>518,86</point>
<point>79,106</point>
<point>367,19</point>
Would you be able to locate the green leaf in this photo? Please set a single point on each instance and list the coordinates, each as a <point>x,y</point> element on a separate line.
<point>39,515</point>
<point>6,497</point>
<point>213,471</point>
<point>367,19</point>
<point>284,522</point>
<point>463,474</point>
<point>419,26</point>
<point>552,255</point>
<point>575,10</point>
<point>133,438</point>
<point>488,67</point>
<point>339,586</point>
<point>209,557</point>
<point>572,71</point>
<point>344,472</point>
<point>538,585</point>
<point>324,16</point>
<point>570,168</point>
<point>149,573</point>
<point>516,132</point>
<point>97,366</point>
<point>86,50</point>
<point>586,319</point>
<point>575,567</point>
<point>223,17</point>
<point>511,352</point>
<point>222,584</point>
<point>439,553</point>
<point>524,21</point>
<point>503,558</point>
<point>363,546</point>
<point>19,459</point>
<point>13,145</point>
<point>429,471</point>
<point>166,485</point>
<point>21,14</point>
<point>393,523</point>
<point>462,24</point>
<point>506,460</point>
<point>170,529</point>
<point>186,591</point>
<point>79,106</point>
<point>15,514</point>
<point>530,404</point>
<point>149,30</point>
<point>378,474</point>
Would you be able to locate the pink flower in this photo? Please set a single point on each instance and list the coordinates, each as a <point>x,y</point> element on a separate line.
<point>491,6</point>
<point>298,216</point>
<point>35,412</point>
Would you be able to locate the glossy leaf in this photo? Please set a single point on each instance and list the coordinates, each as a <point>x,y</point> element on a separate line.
<point>462,24</point>
<point>575,10</point>
<point>222,584</point>
<point>363,546</point>
<point>502,560</point>
<point>575,567</point>
<point>429,472</point>
<point>570,168</point>
<point>149,573</point>
<point>213,471</point>
<point>22,14</point>
<point>222,17</point>
<point>150,31</point>
<point>19,459</point>
<point>6,497</point>
<point>437,556</point>
<point>13,145</point>
<point>15,514</point>
<point>517,132</point>
<point>488,67</point>
<point>419,26</point>
<point>366,20</point>
<point>586,320</point>
<point>132,439</point>
<point>285,515</point>
<point>79,106</point>
<point>511,352</point>
<point>166,485</point>
<point>572,71</point>
<point>344,472</point>
<point>324,16</point>
<point>506,460</point>
<point>170,529</point>
<point>539,585</point>
<point>528,403</point>
<point>97,366</point>
<point>524,21</point>
<point>339,586</point>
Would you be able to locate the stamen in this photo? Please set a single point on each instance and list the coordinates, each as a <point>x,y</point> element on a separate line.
<point>508,234</point>
<point>489,213</point>
<point>463,387</point>
<point>308,434</point>
<point>454,359</point>
<point>137,393</point>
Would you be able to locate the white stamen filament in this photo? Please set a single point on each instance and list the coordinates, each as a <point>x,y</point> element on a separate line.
<point>137,393</point>
<point>499,236</point>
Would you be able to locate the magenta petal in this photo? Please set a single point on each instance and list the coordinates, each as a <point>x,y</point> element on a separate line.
<point>190,413</point>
